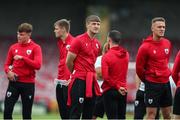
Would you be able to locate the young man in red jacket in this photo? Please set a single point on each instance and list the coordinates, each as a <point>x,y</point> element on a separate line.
<point>152,68</point>
<point>114,73</point>
<point>80,60</point>
<point>22,60</point>
<point>176,78</point>
<point>61,30</point>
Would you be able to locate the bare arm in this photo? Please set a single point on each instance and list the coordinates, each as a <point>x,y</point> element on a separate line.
<point>70,61</point>
<point>99,73</point>
<point>138,81</point>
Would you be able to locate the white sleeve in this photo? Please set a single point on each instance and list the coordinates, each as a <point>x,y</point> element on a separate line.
<point>98,62</point>
<point>173,85</point>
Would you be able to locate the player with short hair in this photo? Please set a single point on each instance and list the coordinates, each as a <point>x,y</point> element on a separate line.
<point>152,68</point>
<point>81,58</point>
<point>23,59</point>
<point>114,73</point>
<point>61,30</point>
<point>99,104</point>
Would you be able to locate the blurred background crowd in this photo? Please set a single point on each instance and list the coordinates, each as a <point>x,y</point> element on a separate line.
<point>131,17</point>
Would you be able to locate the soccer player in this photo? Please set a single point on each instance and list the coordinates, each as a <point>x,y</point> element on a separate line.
<point>61,30</point>
<point>152,68</point>
<point>80,60</point>
<point>99,104</point>
<point>23,59</point>
<point>139,105</point>
<point>114,73</point>
<point>176,78</point>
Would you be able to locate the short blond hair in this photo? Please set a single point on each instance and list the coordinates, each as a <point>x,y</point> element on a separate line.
<point>158,19</point>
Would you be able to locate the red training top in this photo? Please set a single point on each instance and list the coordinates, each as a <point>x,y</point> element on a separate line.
<point>114,68</point>
<point>87,50</point>
<point>31,61</point>
<point>176,70</point>
<point>152,60</point>
<point>63,71</point>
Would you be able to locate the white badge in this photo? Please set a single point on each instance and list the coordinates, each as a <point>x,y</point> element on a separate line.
<point>150,101</point>
<point>166,50</point>
<point>9,94</point>
<point>81,100</point>
<point>28,52</point>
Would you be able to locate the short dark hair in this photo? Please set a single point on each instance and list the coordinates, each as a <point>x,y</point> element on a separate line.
<point>158,19</point>
<point>116,36</point>
<point>93,18</point>
<point>63,23</point>
<point>25,27</point>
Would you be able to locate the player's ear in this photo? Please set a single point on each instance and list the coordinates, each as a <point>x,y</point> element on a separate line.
<point>152,27</point>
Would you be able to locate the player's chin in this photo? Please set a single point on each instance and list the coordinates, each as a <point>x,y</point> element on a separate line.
<point>161,35</point>
<point>96,31</point>
<point>57,36</point>
<point>19,41</point>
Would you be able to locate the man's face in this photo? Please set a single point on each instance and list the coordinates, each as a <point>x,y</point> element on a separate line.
<point>23,37</point>
<point>59,31</point>
<point>158,28</point>
<point>93,27</point>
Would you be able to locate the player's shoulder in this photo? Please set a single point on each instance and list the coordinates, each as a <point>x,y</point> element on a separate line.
<point>107,55</point>
<point>166,40</point>
<point>35,45</point>
<point>178,54</point>
<point>78,38</point>
<point>71,37</point>
<point>14,45</point>
<point>144,45</point>
<point>81,36</point>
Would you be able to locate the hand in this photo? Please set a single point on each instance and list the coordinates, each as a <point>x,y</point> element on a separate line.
<point>122,91</point>
<point>67,83</point>
<point>17,57</point>
<point>10,75</point>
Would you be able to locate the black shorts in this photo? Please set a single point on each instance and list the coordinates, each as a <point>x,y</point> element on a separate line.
<point>115,104</point>
<point>99,107</point>
<point>158,94</point>
<point>80,104</point>
<point>176,108</point>
<point>139,105</point>
<point>16,89</point>
<point>61,97</point>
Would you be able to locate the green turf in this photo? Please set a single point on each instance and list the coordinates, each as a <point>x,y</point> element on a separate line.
<point>51,116</point>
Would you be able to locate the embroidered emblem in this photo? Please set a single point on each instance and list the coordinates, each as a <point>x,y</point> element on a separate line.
<point>67,47</point>
<point>9,94</point>
<point>166,50</point>
<point>81,100</point>
<point>10,67</point>
<point>136,103</point>
<point>30,96</point>
<point>28,52</point>
<point>16,51</point>
<point>154,51</point>
<point>97,46</point>
<point>150,101</point>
